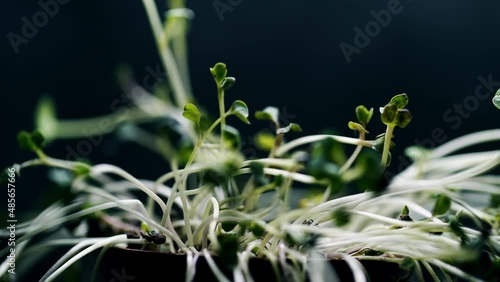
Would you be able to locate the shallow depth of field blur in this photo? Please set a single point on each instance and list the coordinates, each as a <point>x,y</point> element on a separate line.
<point>289,54</point>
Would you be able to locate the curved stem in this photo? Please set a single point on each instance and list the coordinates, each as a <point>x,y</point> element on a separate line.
<point>105,168</point>
<point>314,138</point>
<point>354,155</point>
<point>466,141</point>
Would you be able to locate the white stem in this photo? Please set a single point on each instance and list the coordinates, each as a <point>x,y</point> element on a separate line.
<point>466,141</point>
<point>314,138</point>
<point>304,178</point>
<point>49,276</point>
<point>213,266</point>
<point>358,271</point>
<point>105,168</point>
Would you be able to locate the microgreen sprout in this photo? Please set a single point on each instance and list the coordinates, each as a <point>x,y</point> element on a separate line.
<point>393,114</point>
<point>219,72</point>
<point>33,141</point>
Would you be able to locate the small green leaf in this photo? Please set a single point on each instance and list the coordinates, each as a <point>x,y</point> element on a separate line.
<point>30,141</point>
<point>389,114</point>
<point>45,117</point>
<point>341,217</point>
<point>228,82</point>
<point>404,118</point>
<point>265,141</point>
<point>456,228</point>
<point>496,99</point>
<point>443,204</point>
<point>405,210</point>
<point>293,127</point>
<point>81,169</point>
<point>145,227</point>
<point>321,169</point>
<point>363,114</point>
<point>405,217</point>
<point>240,109</point>
<point>24,140</point>
<point>357,127</point>
<point>257,228</point>
<point>192,113</point>
<point>219,72</point>
<point>269,113</point>
<point>231,137</point>
<point>400,100</point>
<point>37,138</point>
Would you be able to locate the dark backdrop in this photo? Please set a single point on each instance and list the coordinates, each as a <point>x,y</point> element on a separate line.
<point>283,53</point>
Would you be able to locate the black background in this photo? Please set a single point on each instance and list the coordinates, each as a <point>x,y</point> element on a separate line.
<point>283,53</point>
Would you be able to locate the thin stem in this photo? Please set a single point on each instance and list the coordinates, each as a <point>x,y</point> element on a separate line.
<point>213,266</point>
<point>277,144</point>
<point>53,273</point>
<point>179,45</point>
<point>200,141</point>
<point>105,168</point>
<point>222,110</point>
<point>185,206</point>
<point>314,138</point>
<point>166,220</point>
<point>180,94</point>
<point>354,155</point>
<point>68,129</point>
<point>304,178</point>
<point>466,141</point>
<point>286,190</point>
<point>387,146</point>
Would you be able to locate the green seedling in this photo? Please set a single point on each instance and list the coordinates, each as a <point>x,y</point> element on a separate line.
<point>393,114</point>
